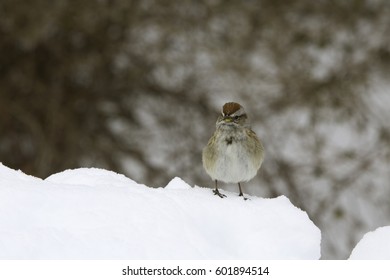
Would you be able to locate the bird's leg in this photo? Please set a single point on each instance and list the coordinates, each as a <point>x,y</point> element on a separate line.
<point>216,191</point>
<point>241,193</point>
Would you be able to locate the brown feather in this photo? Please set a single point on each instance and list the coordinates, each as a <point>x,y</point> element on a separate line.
<point>230,108</point>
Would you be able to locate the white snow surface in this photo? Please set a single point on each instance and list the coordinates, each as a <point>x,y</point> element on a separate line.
<point>91,213</point>
<point>374,245</point>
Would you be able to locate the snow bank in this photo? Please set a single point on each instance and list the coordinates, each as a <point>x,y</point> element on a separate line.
<point>98,214</point>
<point>374,245</point>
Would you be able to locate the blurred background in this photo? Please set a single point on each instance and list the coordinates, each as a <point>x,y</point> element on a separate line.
<point>136,87</point>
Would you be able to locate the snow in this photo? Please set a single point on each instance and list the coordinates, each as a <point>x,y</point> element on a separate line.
<point>374,245</point>
<point>91,213</point>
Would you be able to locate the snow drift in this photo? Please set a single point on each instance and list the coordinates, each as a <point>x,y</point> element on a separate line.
<point>374,245</point>
<point>98,214</point>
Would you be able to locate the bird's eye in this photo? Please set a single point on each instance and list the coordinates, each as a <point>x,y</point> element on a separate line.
<point>236,118</point>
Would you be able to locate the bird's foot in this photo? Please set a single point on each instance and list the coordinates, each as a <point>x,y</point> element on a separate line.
<point>245,198</point>
<point>216,192</point>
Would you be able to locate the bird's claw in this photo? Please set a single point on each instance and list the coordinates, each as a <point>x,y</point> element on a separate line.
<point>216,192</point>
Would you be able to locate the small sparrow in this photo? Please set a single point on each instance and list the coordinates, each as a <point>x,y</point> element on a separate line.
<point>233,154</point>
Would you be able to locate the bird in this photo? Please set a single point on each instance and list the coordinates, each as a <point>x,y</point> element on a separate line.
<point>234,153</point>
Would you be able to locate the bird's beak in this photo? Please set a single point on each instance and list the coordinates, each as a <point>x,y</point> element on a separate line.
<point>228,119</point>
